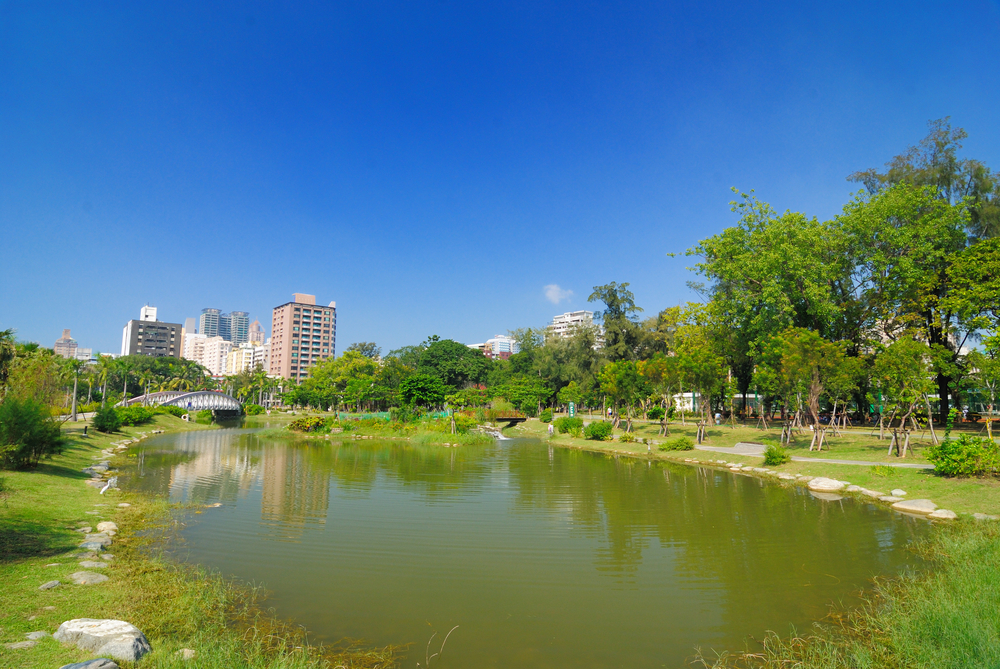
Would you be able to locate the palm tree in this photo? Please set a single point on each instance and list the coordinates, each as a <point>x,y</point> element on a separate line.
<point>105,369</point>
<point>7,353</point>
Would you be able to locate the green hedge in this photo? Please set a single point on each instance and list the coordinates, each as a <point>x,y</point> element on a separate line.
<point>134,415</point>
<point>567,425</point>
<point>106,420</point>
<point>677,444</point>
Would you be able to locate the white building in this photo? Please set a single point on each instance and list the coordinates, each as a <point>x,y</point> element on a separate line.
<point>247,356</point>
<point>564,324</point>
<point>216,354</point>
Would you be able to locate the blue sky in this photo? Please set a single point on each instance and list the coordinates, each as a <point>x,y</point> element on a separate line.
<point>434,166</point>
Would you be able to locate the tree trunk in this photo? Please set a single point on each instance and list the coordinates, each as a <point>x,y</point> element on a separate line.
<point>930,419</point>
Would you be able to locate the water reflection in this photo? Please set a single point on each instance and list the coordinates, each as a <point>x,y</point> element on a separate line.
<point>546,557</point>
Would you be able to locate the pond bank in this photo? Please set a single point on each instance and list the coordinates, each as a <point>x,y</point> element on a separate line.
<point>176,606</point>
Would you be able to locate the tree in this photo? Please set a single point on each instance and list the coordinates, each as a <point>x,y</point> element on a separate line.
<point>621,328</point>
<point>7,352</point>
<point>366,348</point>
<point>985,366</point>
<point>626,387</point>
<point>454,363</point>
<point>663,374</point>
<point>974,291</point>
<point>27,433</point>
<point>903,375</point>
<point>770,272</point>
<point>900,245</point>
<point>424,390</point>
<point>934,162</point>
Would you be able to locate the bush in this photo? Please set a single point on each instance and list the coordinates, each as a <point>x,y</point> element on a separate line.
<point>965,456</point>
<point>204,417</point>
<point>656,413</point>
<point>171,410</point>
<point>545,416</point>
<point>309,424</point>
<point>599,431</point>
<point>627,437</point>
<point>106,420</point>
<point>775,455</point>
<point>253,409</point>
<point>134,415</point>
<point>464,423</point>
<point>567,425</point>
<point>677,444</point>
<point>27,433</point>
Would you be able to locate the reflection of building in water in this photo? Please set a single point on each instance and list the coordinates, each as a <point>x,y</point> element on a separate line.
<point>293,493</point>
<point>220,471</point>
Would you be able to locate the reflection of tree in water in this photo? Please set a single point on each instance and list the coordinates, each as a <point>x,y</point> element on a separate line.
<point>746,535</point>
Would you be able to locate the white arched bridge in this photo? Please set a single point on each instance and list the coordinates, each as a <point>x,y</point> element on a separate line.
<point>198,400</point>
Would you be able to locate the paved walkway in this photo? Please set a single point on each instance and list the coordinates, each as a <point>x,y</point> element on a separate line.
<point>757,451</point>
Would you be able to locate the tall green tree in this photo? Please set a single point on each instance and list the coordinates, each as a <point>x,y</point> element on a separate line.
<point>622,334</point>
<point>935,162</point>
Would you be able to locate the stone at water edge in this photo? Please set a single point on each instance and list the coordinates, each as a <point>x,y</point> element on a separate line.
<point>923,506</point>
<point>897,493</point>
<point>890,499</point>
<point>87,578</point>
<point>21,645</point>
<point>49,585</point>
<point>99,663</point>
<point>115,638</point>
<point>853,488</point>
<point>823,484</point>
<point>826,496</point>
<point>872,493</point>
<point>943,514</point>
<point>35,636</point>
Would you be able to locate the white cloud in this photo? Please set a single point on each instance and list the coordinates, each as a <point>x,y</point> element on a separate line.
<point>555,294</point>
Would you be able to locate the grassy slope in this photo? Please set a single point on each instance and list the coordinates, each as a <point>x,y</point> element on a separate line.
<point>175,606</point>
<point>959,495</point>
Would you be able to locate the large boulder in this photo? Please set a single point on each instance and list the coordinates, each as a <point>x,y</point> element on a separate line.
<point>918,506</point>
<point>92,546</point>
<point>87,578</point>
<point>823,484</point>
<point>114,638</point>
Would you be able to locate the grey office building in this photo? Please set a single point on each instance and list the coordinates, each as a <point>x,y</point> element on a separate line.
<point>152,338</point>
<point>234,327</point>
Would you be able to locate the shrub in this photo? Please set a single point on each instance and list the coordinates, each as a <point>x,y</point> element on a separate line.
<point>171,410</point>
<point>965,456</point>
<point>27,433</point>
<point>775,455</point>
<point>627,437</point>
<point>677,444</point>
<point>464,423</point>
<point>309,424</point>
<point>106,420</point>
<point>598,431</point>
<point>204,417</point>
<point>568,425</point>
<point>135,415</point>
<point>545,416</point>
<point>253,409</point>
<point>884,470</point>
<point>656,413</point>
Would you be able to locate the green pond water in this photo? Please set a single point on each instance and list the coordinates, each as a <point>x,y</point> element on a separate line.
<point>543,557</point>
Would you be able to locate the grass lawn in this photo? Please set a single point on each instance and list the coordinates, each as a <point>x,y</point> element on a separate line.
<point>174,605</point>
<point>970,495</point>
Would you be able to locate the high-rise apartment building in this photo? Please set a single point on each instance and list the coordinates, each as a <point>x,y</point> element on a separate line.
<point>256,333</point>
<point>247,357</point>
<point>501,347</point>
<point>65,346</point>
<point>208,322</point>
<point>563,325</point>
<point>233,327</point>
<point>150,337</point>
<point>239,327</point>
<point>216,354</point>
<point>302,334</point>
